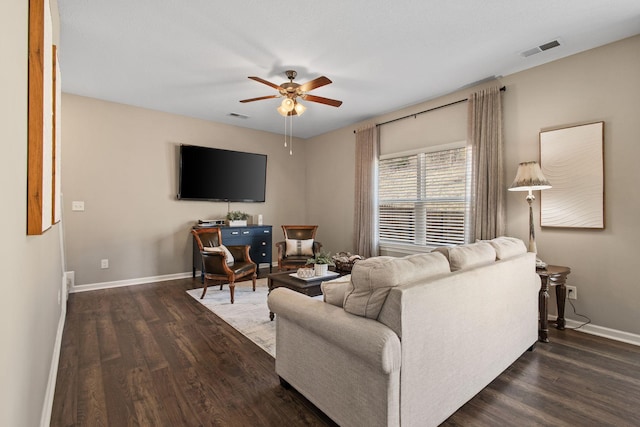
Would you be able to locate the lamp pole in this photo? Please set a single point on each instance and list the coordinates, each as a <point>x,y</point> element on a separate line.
<point>532,233</point>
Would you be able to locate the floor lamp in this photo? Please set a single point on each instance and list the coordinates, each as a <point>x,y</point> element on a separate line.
<point>529,178</point>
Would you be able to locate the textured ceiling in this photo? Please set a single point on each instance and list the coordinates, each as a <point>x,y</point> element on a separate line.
<point>193,57</point>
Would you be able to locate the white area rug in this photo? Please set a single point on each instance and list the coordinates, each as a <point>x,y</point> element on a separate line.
<point>249,313</point>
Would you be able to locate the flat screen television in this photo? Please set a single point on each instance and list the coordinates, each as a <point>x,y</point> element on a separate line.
<point>214,174</point>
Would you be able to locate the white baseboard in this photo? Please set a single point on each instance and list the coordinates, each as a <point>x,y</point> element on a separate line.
<point>138,281</point>
<point>129,282</point>
<point>47,407</point>
<point>601,331</point>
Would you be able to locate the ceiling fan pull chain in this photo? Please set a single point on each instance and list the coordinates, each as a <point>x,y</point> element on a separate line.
<point>291,136</point>
<point>285,131</point>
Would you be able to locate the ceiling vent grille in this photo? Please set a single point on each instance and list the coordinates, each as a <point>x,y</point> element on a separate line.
<point>541,48</point>
<point>238,115</point>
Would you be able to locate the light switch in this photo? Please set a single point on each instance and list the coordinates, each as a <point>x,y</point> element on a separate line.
<point>77,206</point>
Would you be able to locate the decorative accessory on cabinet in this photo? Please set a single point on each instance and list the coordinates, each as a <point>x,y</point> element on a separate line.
<point>529,178</point>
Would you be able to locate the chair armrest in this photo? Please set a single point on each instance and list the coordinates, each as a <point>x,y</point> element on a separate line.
<point>317,246</point>
<point>281,247</point>
<point>240,252</point>
<point>367,339</point>
<point>214,262</point>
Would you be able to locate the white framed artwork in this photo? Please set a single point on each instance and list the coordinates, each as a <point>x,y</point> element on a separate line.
<point>572,159</point>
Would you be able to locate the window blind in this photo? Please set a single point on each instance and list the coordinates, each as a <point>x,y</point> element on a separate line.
<point>422,198</point>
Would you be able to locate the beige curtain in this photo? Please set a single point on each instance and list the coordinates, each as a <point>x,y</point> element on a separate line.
<point>484,136</point>
<point>365,210</point>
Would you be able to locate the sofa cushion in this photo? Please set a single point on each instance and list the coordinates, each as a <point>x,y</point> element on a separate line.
<point>468,256</point>
<point>373,278</point>
<point>299,247</point>
<point>507,247</point>
<point>333,291</point>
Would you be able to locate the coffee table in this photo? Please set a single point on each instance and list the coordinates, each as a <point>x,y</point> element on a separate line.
<point>309,287</point>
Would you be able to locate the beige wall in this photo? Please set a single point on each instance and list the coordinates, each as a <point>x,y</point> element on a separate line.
<point>133,219</point>
<point>601,84</point>
<point>31,265</point>
<point>122,162</point>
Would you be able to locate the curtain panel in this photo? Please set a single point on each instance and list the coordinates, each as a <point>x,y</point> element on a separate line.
<point>484,137</point>
<point>365,209</point>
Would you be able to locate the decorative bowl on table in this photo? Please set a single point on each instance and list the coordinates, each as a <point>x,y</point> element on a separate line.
<point>305,273</point>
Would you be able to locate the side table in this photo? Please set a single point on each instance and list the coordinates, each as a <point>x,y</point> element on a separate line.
<point>556,275</point>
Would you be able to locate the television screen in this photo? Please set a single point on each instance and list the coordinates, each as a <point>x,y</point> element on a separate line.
<point>221,175</point>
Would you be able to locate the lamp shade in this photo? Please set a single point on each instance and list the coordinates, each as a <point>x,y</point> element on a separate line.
<point>300,108</point>
<point>529,177</point>
<point>287,104</point>
<point>283,112</point>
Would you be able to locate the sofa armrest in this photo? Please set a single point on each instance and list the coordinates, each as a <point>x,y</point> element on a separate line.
<point>367,339</point>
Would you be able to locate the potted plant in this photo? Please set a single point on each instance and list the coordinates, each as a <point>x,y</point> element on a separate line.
<point>237,219</point>
<point>321,262</point>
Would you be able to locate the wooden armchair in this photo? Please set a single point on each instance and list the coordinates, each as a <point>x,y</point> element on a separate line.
<point>223,265</point>
<point>290,257</point>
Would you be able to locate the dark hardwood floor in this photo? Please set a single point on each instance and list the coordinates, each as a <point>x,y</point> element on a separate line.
<point>150,355</point>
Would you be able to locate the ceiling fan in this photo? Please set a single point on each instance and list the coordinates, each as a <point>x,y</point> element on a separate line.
<point>290,91</point>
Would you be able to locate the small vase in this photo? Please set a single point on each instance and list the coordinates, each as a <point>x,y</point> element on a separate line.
<point>321,269</point>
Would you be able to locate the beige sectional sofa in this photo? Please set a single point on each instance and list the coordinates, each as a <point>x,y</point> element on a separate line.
<point>407,341</point>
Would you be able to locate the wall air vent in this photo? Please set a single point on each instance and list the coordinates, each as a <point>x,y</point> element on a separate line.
<point>239,116</point>
<point>541,48</point>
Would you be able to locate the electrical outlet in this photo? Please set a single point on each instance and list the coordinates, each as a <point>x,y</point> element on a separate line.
<point>71,279</point>
<point>104,263</point>
<point>572,292</point>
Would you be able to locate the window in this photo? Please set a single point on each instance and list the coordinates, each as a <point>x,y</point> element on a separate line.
<point>422,197</point>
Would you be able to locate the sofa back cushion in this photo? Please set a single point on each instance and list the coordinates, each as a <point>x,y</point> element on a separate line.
<point>507,247</point>
<point>468,256</point>
<point>373,278</point>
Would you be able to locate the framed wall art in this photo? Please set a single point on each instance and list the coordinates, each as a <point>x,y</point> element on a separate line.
<point>43,184</point>
<point>572,159</point>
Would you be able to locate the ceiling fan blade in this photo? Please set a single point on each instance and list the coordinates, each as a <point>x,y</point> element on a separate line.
<point>315,83</point>
<point>259,98</point>
<point>321,100</point>
<point>273,85</point>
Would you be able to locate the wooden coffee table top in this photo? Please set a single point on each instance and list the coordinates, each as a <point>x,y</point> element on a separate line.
<point>307,287</point>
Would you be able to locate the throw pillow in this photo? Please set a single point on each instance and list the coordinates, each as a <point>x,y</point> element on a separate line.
<point>299,247</point>
<point>507,247</point>
<point>471,255</point>
<point>373,278</point>
<point>333,291</point>
<point>222,248</point>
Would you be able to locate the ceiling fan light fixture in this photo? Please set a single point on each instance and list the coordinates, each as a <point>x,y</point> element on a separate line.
<point>283,112</point>
<point>288,104</point>
<point>300,108</point>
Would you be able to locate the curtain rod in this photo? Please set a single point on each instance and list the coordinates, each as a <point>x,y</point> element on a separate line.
<point>502,89</point>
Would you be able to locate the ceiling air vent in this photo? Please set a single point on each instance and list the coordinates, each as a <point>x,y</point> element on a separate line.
<point>541,48</point>
<point>240,116</point>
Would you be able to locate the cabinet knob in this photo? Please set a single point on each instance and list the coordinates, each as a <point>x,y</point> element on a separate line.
<point>264,243</point>
<point>264,254</point>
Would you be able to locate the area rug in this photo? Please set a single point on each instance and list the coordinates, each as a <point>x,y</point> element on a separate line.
<point>249,313</point>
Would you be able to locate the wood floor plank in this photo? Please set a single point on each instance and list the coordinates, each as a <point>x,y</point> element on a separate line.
<point>152,355</point>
